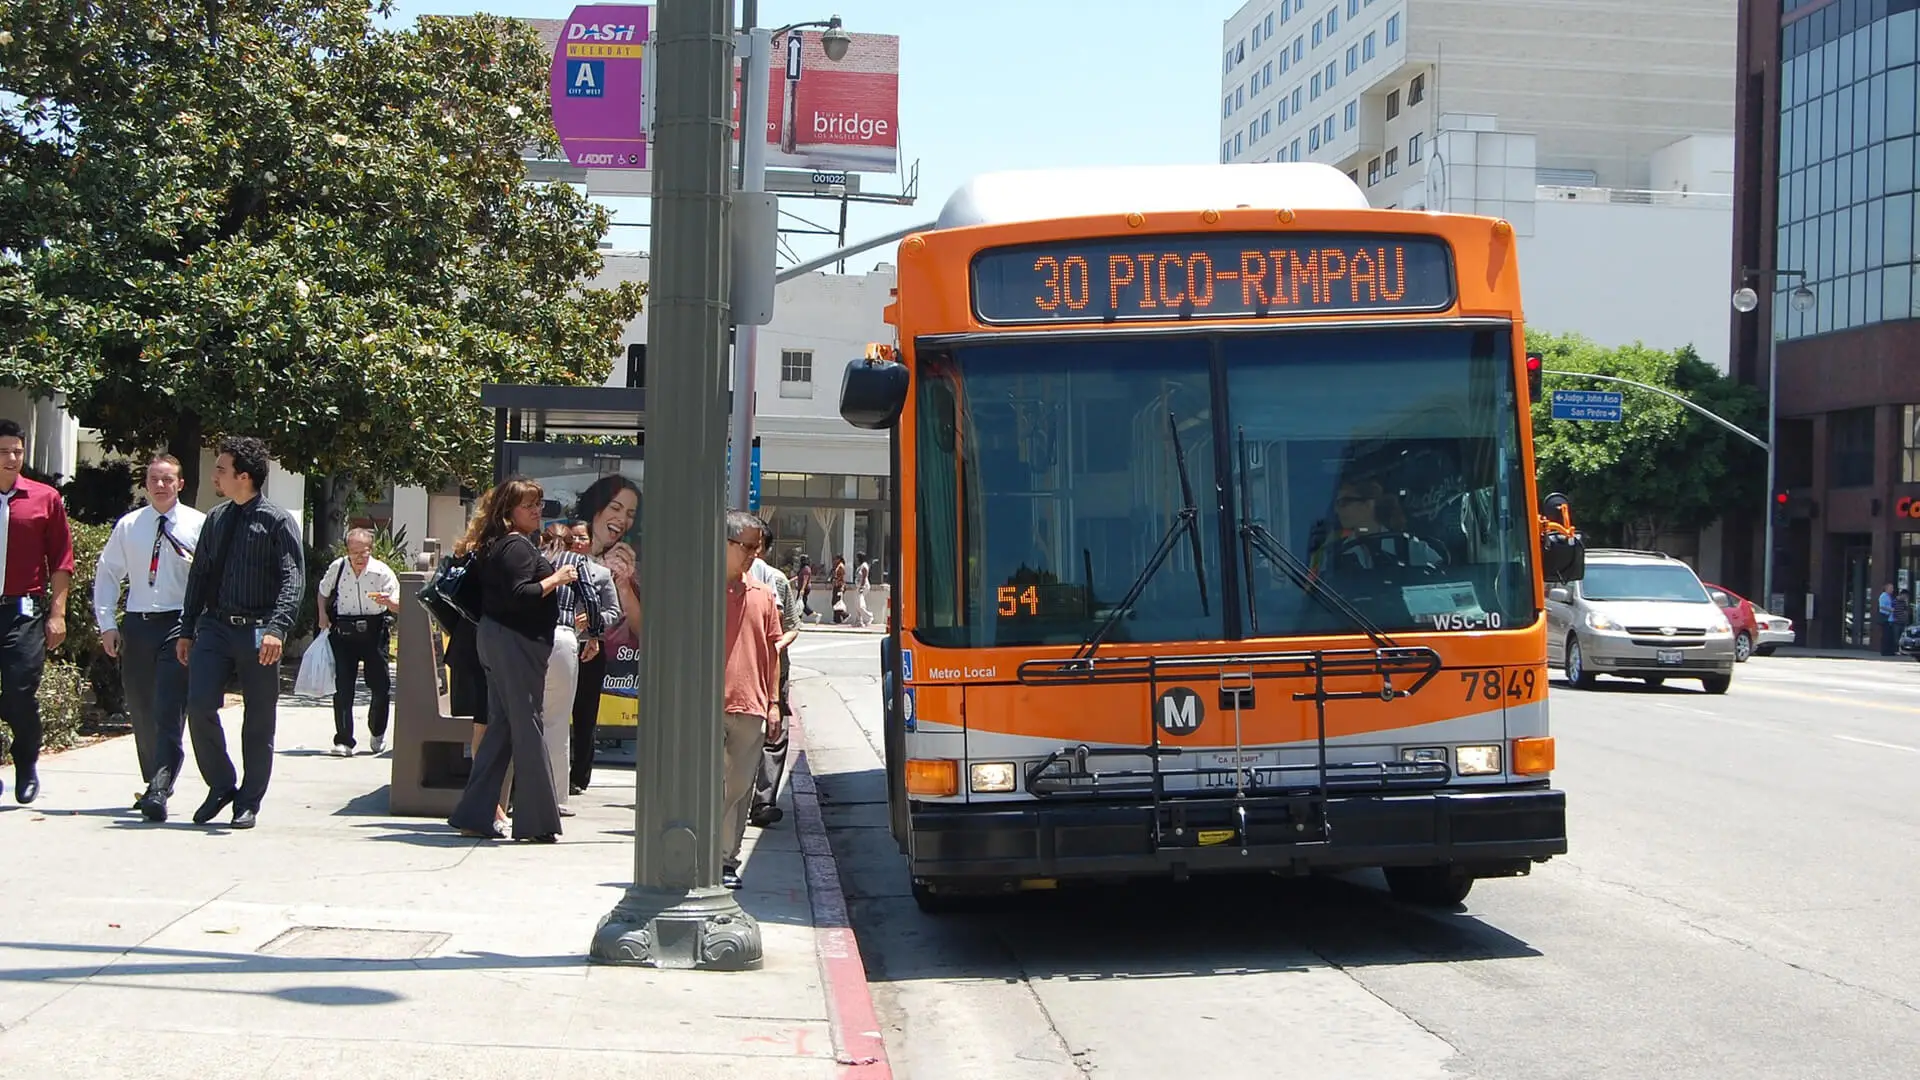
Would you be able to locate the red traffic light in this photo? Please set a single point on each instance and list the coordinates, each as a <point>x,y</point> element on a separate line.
<point>1534,362</point>
<point>1780,497</point>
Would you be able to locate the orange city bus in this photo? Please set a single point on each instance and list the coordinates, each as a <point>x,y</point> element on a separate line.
<point>1215,537</point>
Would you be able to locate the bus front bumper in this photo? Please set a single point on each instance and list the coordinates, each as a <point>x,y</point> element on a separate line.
<point>1490,833</point>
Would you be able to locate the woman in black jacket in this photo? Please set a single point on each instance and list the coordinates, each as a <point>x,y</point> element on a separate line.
<point>515,639</point>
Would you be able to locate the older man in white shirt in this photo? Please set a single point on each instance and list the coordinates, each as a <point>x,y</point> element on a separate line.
<point>150,551</point>
<point>358,596</point>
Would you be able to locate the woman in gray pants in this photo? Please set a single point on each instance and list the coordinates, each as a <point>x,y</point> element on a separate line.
<point>515,637</point>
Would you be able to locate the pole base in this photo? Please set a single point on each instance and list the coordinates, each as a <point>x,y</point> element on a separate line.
<point>704,929</point>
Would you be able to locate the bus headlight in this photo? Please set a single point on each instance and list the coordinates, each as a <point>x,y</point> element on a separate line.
<point>991,777</point>
<point>1477,760</point>
<point>1424,753</point>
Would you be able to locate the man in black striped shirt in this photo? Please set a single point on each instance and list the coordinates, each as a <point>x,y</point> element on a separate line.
<point>243,594</point>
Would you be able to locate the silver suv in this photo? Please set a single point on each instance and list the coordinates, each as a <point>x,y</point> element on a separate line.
<point>1639,614</point>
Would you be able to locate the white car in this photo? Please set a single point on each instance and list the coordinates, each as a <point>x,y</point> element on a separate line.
<point>1775,630</point>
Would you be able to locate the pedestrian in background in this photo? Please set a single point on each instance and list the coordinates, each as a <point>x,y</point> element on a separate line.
<point>577,632</point>
<point>593,666</point>
<point>515,641</point>
<point>36,572</point>
<point>238,612</point>
<point>751,648</point>
<point>150,551</point>
<point>862,581</point>
<point>359,596</point>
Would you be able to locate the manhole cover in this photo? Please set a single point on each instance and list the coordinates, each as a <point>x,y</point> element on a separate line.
<point>347,943</point>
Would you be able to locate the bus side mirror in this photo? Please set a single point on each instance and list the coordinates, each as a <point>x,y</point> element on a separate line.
<point>872,394</point>
<point>1563,551</point>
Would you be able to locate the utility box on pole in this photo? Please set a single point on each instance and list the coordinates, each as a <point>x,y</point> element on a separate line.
<point>756,235</point>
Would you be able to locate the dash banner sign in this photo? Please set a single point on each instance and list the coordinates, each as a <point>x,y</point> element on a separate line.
<point>597,84</point>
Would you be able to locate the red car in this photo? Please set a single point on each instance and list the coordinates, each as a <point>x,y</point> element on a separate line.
<point>1739,612</point>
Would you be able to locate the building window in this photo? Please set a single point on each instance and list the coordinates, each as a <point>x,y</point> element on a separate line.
<point>1299,48</point>
<point>1293,152</point>
<point>1353,115</point>
<point>1353,9</point>
<point>1850,448</point>
<point>1239,96</point>
<point>1393,28</point>
<point>1417,91</point>
<point>1315,92</point>
<point>796,373</point>
<point>1333,21</point>
<point>1226,152</point>
<point>1327,127</point>
<point>1353,59</point>
<point>1313,138</point>
<point>1393,104</point>
<point>1373,172</point>
<point>1413,148</point>
<point>1283,110</point>
<point>1910,444</point>
<point>1296,99</point>
<point>1333,73</point>
<point>1266,74</point>
<point>1240,51</point>
<point>1367,50</point>
<point>1266,122</point>
<point>1268,24</point>
<point>1253,131</point>
<point>1393,161</point>
<point>1256,35</point>
<point>1354,176</point>
<point>1319,34</point>
<point>1237,145</point>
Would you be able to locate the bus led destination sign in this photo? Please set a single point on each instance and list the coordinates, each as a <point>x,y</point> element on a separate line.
<point>1211,277</point>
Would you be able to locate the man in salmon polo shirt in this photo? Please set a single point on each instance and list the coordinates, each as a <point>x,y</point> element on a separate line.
<point>752,651</point>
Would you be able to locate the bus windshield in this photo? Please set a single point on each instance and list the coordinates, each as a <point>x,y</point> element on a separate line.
<point>1387,459</point>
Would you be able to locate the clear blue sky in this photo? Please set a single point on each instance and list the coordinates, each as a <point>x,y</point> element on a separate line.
<point>1001,84</point>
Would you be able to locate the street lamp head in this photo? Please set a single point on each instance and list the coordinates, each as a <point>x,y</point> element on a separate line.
<point>1802,299</point>
<point>1745,300</point>
<point>834,41</point>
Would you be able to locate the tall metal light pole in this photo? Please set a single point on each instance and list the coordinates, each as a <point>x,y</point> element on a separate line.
<point>756,73</point>
<point>675,914</point>
<point>1745,300</point>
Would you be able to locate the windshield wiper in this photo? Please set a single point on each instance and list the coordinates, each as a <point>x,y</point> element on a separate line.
<point>1188,520</point>
<point>1255,536</point>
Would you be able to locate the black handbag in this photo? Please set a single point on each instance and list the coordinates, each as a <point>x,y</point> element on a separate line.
<point>452,594</point>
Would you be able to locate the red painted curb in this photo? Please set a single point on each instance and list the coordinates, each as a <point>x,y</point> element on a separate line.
<point>858,1044</point>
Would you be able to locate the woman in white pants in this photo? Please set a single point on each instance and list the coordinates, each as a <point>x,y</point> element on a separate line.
<point>576,638</point>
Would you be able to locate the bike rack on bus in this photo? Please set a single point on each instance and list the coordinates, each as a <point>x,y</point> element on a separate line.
<point>1296,803</point>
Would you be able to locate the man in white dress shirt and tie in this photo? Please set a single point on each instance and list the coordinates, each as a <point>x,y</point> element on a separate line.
<point>150,550</point>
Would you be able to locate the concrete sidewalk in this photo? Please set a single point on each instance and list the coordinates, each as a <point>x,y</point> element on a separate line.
<point>337,941</point>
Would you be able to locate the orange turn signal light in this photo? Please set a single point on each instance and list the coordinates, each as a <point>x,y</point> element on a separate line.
<point>938,777</point>
<point>1532,757</point>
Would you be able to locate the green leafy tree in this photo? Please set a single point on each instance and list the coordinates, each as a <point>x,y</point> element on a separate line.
<point>277,218</point>
<point>1663,467</point>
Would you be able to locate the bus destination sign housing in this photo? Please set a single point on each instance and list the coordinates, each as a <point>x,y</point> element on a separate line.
<point>1238,275</point>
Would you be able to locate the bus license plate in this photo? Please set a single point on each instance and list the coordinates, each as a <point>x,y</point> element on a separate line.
<point>1667,656</point>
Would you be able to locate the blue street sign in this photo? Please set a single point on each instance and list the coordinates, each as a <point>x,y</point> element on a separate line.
<point>753,476</point>
<point>1606,406</point>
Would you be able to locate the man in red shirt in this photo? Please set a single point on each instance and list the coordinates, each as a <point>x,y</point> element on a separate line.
<point>36,570</point>
<point>752,650</point>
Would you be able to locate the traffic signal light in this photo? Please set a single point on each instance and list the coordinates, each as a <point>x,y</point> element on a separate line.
<point>1781,500</point>
<point>1535,365</point>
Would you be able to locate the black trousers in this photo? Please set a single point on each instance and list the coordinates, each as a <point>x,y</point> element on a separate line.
<point>586,718</point>
<point>219,651</point>
<point>156,686</point>
<point>350,654</point>
<point>23,656</point>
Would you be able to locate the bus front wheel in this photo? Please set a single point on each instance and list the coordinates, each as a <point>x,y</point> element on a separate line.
<point>1429,886</point>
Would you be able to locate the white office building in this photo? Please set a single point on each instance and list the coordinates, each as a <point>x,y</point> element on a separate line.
<point>1602,132</point>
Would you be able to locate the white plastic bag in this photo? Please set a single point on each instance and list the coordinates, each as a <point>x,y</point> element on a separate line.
<point>316,669</point>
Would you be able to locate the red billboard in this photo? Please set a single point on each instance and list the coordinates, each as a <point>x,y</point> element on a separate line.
<point>828,115</point>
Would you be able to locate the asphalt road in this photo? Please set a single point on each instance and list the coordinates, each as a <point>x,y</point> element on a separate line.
<point>1740,901</point>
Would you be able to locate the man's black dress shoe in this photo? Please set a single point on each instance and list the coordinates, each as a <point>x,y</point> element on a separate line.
<point>243,819</point>
<point>216,802</point>
<point>28,789</point>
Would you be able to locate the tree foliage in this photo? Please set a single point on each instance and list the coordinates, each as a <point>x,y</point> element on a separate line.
<point>1663,467</point>
<point>274,217</point>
